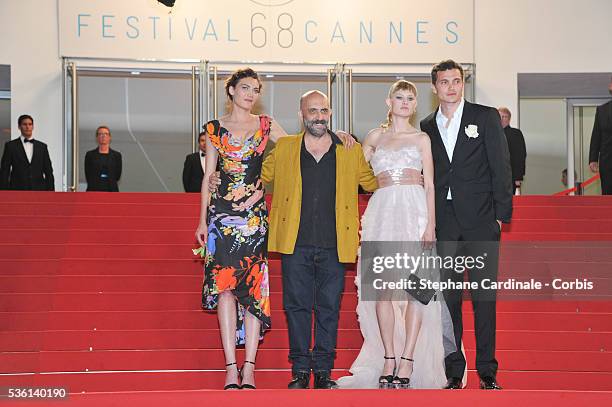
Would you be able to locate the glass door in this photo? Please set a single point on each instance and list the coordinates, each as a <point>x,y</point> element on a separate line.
<point>153,115</point>
<point>581,115</point>
<point>543,122</point>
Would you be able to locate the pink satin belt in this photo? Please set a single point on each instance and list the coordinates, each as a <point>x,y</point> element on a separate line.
<point>400,176</point>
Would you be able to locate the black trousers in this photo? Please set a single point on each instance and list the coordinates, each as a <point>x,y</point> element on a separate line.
<point>313,278</point>
<point>456,241</point>
<point>606,181</point>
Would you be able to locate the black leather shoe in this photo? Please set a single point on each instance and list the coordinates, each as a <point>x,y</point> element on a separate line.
<point>323,380</point>
<point>300,380</point>
<point>453,383</point>
<point>489,383</point>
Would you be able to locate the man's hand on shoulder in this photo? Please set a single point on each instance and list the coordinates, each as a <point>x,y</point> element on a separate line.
<point>348,141</point>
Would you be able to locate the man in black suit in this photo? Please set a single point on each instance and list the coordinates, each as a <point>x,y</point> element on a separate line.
<point>193,169</point>
<point>473,186</point>
<point>516,146</point>
<point>25,162</point>
<point>600,152</point>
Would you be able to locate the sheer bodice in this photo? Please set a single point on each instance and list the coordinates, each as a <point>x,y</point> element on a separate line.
<point>387,158</point>
<point>397,165</point>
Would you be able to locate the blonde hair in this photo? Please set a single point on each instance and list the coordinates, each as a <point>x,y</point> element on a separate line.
<point>505,110</point>
<point>402,84</point>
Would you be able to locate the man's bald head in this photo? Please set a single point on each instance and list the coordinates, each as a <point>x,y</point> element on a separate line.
<point>312,94</point>
<point>315,112</point>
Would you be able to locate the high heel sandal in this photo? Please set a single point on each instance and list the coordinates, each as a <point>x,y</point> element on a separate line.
<point>386,382</point>
<point>246,385</point>
<point>232,386</point>
<point>402,382</point>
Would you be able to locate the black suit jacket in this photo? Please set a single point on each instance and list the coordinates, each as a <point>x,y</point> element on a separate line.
<point>479,176</point>
<point>93,170</point>
<point>601,139</point>
<point>193,173</point>
<point>518,152</point>
<point>18,174</point>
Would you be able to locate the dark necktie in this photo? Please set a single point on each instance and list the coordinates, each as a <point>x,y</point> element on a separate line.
<point>202,154</point>
<point>27,140</point>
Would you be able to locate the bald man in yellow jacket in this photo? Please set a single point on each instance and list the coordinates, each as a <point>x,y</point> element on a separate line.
<point>282,169</point>
<point>314,224</point>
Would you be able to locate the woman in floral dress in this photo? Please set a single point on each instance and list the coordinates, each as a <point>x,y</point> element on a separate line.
<point>234,223</point>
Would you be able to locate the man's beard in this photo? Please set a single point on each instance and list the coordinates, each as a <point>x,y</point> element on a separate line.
<point>309,125</point>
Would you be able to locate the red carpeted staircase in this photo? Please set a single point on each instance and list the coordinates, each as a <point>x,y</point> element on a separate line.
<point>100,293</point>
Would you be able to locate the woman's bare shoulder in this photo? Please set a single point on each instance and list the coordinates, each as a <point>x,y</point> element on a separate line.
<point>373,136</point>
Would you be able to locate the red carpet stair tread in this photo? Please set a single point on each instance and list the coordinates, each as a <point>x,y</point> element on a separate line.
<point>306,398</point>
<point>99,293</point>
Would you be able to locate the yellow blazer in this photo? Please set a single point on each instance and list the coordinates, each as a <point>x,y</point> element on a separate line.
<point>282,167</point>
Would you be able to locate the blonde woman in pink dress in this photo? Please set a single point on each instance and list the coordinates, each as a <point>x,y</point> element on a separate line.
<point>405,342</point>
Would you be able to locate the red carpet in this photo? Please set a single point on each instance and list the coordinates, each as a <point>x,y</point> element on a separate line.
<point>306,398</point>
<point>99,293</point>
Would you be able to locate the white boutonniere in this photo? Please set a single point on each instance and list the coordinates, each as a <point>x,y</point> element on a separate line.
<point>471,131</point>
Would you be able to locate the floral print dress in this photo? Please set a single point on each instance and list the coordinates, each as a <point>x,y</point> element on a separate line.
<point>236,255</point>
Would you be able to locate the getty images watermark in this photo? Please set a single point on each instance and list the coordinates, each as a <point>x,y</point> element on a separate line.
<point>487,270</point>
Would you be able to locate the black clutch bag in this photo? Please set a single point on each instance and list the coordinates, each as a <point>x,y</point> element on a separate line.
<point>422,295</point>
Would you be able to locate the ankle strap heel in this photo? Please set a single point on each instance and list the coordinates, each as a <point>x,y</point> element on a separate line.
<point>386,382</point>
<point>402,382</point>
<point>231,386</point>
<point>246,385</point>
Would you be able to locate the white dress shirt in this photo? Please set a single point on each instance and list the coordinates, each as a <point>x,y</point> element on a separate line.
<point>28,147</point>
<point>202,160</point>
<point>449,132</point>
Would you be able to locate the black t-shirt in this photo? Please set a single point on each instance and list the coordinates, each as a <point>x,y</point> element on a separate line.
<point>318,214</point>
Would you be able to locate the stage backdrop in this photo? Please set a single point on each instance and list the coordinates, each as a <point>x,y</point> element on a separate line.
<point>384,31</point>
